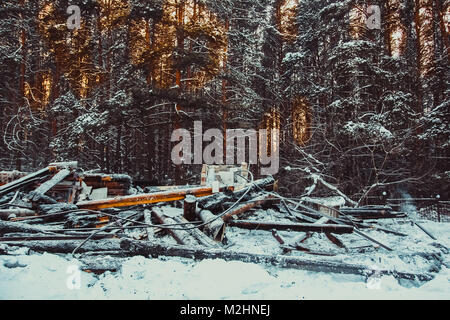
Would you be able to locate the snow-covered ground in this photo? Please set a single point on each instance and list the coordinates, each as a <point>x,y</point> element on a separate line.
<point>46,276</point>
<point>49,276</point>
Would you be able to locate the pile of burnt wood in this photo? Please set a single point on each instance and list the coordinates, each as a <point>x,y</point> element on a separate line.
<point>61,209</point>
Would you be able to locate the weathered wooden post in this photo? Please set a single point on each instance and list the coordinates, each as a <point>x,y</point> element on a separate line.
<point>189,207</point>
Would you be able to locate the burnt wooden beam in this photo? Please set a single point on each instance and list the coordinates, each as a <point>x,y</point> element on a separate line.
<point>216,202</point>
<point>246,207</point>
<point>278,237</point>
<point>180,236</point>
<point>8,227</point>
<point>297,247</point>
<point>335,240</point>
<point>164,196</point>
<point>338,220</point>
<point>55,237</point>
<point>26,180</point>
<point>201,237</point>
<point>36,194</point>
<point>304,227</point>
<point>189,206</point>
<point>424,230</point>
<point>214,226</point>
<point>18,212</point>
<point>372,213</point>
<point>67,246</point>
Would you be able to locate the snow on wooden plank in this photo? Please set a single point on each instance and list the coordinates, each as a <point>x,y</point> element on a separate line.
<point>46,186</point>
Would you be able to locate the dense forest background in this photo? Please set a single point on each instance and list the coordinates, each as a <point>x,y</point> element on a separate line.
<point>361,109</point>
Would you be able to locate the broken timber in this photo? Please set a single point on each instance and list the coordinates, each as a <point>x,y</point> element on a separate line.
<point>304,227</point>
<point>196,233</point>
<point>180,236</point>
<point>247,206</point>
<point>189,206</point>
<point>67,246</point>
<point>372,212</point>
<point>8,227</point>
<point>335,220</point>
<point>28,179</point>
<point>54,237</point>
<point>43,188</point>
<point>156,197</point>
<point>214,226</point>
<point>17,212</point>
<point>215,202</point>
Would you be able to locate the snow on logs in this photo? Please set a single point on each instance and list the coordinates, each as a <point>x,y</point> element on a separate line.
<point>303,227</point>
<point>145,248</point>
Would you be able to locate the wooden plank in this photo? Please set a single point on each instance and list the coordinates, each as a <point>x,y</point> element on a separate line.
<point>298,247</point>
<point>335,240</point>
<point>146,198</point>
<point>278,237</point>
<point>46,186</point>
<point>28,179</point>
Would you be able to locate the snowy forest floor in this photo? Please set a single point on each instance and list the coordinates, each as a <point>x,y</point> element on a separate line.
<point>30,275</point>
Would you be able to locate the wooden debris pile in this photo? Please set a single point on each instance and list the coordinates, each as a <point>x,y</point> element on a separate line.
<point>61,209</point>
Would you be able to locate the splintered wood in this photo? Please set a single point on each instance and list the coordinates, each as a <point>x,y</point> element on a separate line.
<point>60,209</point>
